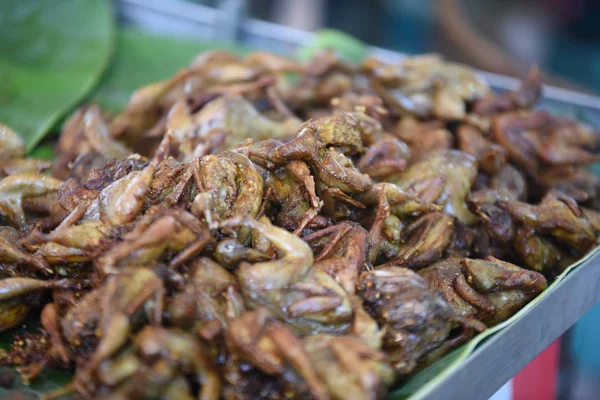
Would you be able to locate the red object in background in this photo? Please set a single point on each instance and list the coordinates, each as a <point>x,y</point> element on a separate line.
<point>537,381</point>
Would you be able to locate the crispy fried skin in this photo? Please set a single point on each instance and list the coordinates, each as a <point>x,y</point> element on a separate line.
<point>257,228</point>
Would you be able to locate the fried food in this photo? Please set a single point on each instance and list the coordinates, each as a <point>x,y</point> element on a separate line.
<point>234,234</point>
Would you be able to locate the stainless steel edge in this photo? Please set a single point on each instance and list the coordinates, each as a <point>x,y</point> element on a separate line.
<point>176,18</point>
<point>497,360</point>
<point>183,18</point>
<point>180,9</point>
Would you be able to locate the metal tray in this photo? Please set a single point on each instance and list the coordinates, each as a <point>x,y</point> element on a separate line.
<point>500,356</point>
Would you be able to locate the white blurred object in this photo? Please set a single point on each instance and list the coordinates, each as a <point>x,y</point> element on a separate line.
<point>504,393</point>
<point>526,34</point>
<point>307,15</point>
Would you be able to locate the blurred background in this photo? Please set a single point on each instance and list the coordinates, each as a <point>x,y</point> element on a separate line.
<point>502,36</point>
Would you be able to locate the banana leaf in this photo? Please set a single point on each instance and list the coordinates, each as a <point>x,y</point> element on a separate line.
<point>43,152</point>
<point>142,58</point>
<point>346,46</point>
<point>52,53</point>
<point>50,380</point>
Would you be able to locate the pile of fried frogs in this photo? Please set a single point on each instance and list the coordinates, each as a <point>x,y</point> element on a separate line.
<point>256,228</point>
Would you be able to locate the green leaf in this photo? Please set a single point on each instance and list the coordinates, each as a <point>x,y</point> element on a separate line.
<point>142,58</point>
<point>49,380</point>
<point>52,54</point>
<point>347,46</point>
<point>43,152</point>
<point>413,384</point>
